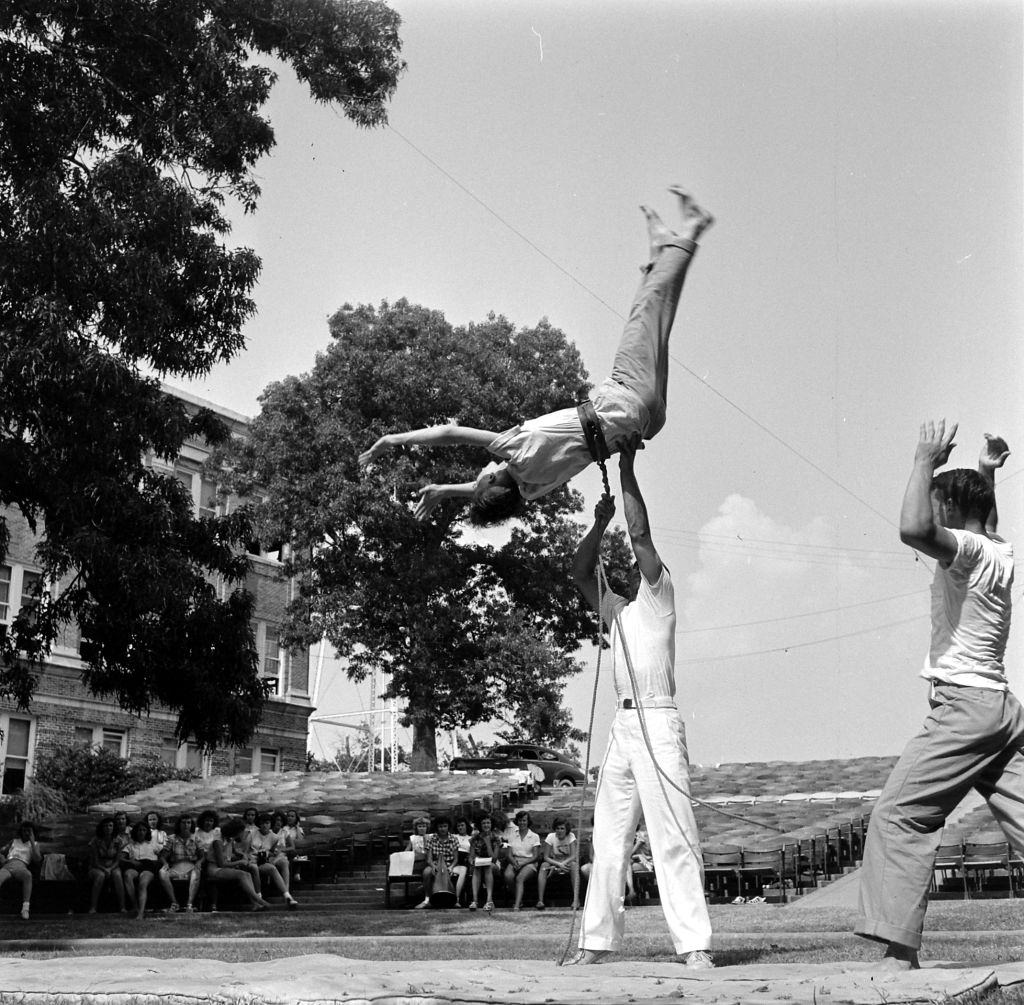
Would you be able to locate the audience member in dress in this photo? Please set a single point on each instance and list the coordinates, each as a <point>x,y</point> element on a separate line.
<point>485,861</point>
<point>561,858</point>
<point>105,852</point>
<point>293,825</point>
<point>183,860</point>
<point>18,855</point>
<point>249,815</point>
<point>141,864</point>
<point>156,828</point>
<point>442,854</point>
<point>524,852</point>
<point>121,827</point>
<point>461,870</point>
<point>272,859</point>
<point>417,844</point>
<point>228,864</point>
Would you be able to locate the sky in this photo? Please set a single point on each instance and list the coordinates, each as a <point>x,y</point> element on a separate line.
<point>863,162</point>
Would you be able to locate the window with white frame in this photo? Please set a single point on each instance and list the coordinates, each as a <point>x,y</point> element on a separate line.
<point>6,576</point>
<point>31,590</point>
<point>17,752</point>
<point>269,760</point>
<point>113,738</point>
<point>243,761</point>
<point>272,656</point>
<point>207,497</point>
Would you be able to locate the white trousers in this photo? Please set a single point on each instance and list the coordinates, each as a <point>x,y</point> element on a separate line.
<point>629,783</point>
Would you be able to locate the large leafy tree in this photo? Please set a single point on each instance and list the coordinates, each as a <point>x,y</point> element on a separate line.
<point>125,125</point>
<point>470,627</point>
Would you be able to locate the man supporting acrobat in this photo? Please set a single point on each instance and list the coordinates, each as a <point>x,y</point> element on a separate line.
<point>974,736</point>
<point>545,452</point>
<point>642,629</point>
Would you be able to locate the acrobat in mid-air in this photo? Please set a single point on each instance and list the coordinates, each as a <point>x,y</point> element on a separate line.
<point>543,453</point>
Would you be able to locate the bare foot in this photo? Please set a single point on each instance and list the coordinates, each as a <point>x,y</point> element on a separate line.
<point>657,233</point>
<point>898,958</point>
<point>695,219</point>
<point>587,956</point>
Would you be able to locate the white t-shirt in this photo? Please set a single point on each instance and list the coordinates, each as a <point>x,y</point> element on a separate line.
<point>547,451</point>
<point>561,851</point>
<point>205,839</point>
<point>648,626</point>
<point>20,851</point>
<point>971,613</point>
<point>270,843</point>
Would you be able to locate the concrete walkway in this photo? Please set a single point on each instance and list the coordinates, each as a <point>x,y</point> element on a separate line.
<point>312,980</point>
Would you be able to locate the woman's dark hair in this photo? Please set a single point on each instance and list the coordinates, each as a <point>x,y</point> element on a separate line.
<point>295,812</point>
<point>159,819</point>
<point>207,815</point>
<point>278,815</point>
<point>523,813</point>
<point>461,820</point>
<point>496,504</point>
<point>103,823</point>
<point>447,821</point>
<point>140,828</point>
<point>561,822</point>
<point>264,818</point>
<point>250,809</point>
<point>181,819</point>
<point>232,828</point>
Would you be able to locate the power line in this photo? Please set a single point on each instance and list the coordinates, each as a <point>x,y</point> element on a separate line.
<point>719,394</point>
<point>802,645</point>
<point>806,614</point>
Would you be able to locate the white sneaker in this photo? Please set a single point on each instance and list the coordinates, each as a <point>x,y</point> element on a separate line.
<point>24,913</point>
<point>698,960</point>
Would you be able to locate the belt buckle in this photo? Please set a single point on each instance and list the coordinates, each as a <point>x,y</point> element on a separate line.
<point>627,702</point>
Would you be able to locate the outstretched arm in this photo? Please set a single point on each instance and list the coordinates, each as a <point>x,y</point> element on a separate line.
<point>918,526</point>
<point>637,524</point>
<point>993,455</point>
<point>584,566</point>
<point>447,434</point>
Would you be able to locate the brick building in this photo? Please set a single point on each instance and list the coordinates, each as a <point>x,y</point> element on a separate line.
<point>63,711</point>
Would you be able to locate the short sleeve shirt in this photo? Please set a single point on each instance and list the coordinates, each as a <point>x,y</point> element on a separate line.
<point>522,846</point>
<point>181,849</point>
<point>562,850</point>
<point>971,610</point>
<point>268,843</point>
<point>443,850</point>
<point>543,453</point>
<point>648,625</point>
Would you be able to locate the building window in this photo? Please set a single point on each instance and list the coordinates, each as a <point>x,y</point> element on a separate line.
<point>5,592</point>
<point>169,750</point>
<point>269,760</point>
<point>272,657</point>
<point>194,759</point>
<point>31,591</point>
<point>207,498</point>
<point>17,748</point>
<point>243,761</point>
<point>112,738</point>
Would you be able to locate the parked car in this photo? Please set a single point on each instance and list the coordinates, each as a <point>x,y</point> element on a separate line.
<point>549,767</point>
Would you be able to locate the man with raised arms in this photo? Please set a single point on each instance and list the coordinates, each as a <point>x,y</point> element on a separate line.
<point>541,454</point>
<point>974,736</point>
<point>635,778</point>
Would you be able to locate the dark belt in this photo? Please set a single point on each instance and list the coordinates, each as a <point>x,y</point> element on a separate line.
<point>592,431</point>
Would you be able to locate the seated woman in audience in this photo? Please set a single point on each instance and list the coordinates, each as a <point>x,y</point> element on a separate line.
<point>484,860</point>
<point>561,858</point>
<point>121,827</point>
<point>249,815</point>
<point>105,852</point>
<point>156,829</point>
<point>140,865</point>
<point>641,866</point>
<point>228,864</point>
<point>18,855</point>
<point>417,844</point>
<point>295,836</point>
<point>293,826</point>
<point>442,854</point>
<point>461,869</point>
<point>207,831</point>
<point>524,852</point>
<point>272,859</point>
<point>183,860</point>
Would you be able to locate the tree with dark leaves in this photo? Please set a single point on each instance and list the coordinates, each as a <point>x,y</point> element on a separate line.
<point>468,627</point>
<point>125,125</point>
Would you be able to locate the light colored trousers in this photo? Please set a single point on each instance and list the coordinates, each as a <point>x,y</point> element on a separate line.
<point>628,783</point>
<point>972,739</point>
<point>641,361</point>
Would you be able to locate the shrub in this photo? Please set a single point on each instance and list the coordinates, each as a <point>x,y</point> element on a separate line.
<point>86,775</point>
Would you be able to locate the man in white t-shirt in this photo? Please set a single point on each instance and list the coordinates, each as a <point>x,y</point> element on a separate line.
<point>541,454</point>
<point>635,778</point>
<point>974,736</point>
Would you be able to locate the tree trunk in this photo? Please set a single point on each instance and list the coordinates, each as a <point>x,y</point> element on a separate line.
<point>424,745</point>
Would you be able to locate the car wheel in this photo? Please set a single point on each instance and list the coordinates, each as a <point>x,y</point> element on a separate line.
<point>565,783</point>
